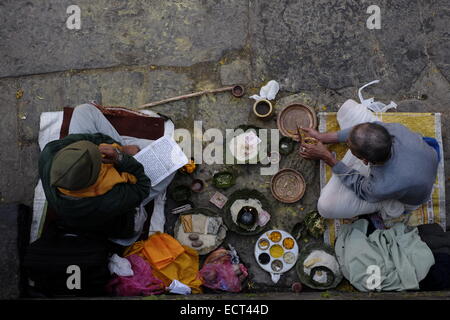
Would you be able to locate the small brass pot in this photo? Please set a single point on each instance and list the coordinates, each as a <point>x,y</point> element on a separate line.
<point>263,109</point>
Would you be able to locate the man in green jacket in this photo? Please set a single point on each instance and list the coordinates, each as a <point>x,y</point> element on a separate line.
<point>93,183</point>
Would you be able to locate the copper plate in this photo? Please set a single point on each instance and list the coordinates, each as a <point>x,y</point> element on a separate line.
<point>288,186</point>
<point>293,115</point>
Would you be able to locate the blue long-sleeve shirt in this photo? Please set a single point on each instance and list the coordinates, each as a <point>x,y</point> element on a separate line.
<point>408,176</point>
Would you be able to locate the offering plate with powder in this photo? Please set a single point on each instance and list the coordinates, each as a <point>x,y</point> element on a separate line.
<point>276,252</point>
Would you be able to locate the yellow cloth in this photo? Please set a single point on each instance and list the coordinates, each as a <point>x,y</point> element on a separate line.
<point>108,177</point>
<point>184,264</point>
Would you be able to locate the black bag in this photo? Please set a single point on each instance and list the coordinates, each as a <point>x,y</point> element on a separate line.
<point>67,264</point>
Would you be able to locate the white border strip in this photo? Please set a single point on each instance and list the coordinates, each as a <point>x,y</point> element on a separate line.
<point>441,172</point>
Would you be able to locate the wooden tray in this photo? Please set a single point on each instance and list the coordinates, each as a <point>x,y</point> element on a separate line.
<point>288,186</point>
<point>293,115</point>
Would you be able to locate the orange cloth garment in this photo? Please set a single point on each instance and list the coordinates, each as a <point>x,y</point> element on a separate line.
<point>135,248</point>
<point>162,249</point>
<point>108,177</point>
<point>184,261</point>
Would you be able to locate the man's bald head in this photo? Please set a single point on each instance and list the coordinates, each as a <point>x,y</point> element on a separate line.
<point>370,141</point>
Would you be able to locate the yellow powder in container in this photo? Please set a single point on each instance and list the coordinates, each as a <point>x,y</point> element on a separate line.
<point>288,243</point>
<point>276,251</point>
<point>275,236</point>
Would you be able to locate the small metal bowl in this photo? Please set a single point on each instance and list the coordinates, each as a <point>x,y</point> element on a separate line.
<point>277,265</point>
<point>286,145</point>
<point>266,114</point>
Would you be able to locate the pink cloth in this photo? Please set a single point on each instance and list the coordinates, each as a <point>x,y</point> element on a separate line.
<point>220,273</point>
<point>142,283</point>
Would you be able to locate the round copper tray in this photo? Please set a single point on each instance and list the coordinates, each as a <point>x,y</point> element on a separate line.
<point>288,186</point>
<point>296,115</point>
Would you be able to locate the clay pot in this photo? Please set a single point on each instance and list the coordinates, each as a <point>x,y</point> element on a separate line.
<point>237,91</point>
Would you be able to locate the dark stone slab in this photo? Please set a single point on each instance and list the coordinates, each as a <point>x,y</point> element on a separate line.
<point>317,44</point>
<point>35,38</point>
<point>434,17</point>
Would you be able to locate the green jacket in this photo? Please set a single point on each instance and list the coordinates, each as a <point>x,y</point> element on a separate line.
<point>111,214</point>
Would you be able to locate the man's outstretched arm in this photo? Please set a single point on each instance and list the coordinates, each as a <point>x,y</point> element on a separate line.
<point>324,137</point>
<point>361,185</point>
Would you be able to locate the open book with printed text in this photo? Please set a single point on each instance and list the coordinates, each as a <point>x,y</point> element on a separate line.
<point>161,158</point>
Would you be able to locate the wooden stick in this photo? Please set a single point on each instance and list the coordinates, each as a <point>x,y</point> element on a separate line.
<point>152,104</point>
<point>299,133</point>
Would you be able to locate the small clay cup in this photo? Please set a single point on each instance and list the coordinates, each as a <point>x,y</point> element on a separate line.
<point>237,91</point>
<point>197,185</point>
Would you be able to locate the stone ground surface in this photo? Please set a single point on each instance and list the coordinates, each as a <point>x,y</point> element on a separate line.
<point>135,52</point>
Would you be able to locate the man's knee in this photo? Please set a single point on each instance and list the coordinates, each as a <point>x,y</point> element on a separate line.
<point>85,109</point>
<point>332,206</point>
<point>326,208</point>
<point>84,119</point>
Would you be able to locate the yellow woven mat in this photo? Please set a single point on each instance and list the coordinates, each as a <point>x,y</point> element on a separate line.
<point>427,124</point>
